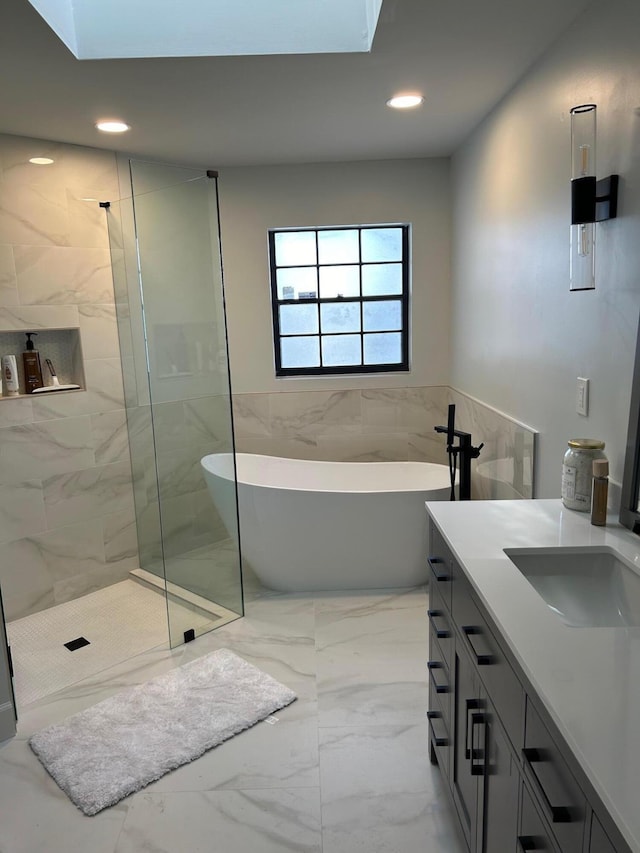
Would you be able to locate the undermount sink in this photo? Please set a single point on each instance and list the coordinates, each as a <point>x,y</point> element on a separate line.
<point>589,587</point>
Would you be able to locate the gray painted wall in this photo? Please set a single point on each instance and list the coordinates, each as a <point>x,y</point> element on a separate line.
<point>252,200</point>
<point>519,338</point>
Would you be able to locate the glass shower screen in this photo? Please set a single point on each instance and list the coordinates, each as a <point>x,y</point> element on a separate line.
<point>171,318</point>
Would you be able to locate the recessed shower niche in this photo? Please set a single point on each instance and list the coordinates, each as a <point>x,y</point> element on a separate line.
<point>61,346</point>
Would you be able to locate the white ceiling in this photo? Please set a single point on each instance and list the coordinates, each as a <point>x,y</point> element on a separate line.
<point>464,55</point>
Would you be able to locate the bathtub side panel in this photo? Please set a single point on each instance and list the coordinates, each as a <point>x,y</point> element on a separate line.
<point>304,541</point>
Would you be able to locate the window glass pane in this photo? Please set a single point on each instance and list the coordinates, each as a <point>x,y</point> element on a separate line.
<point>299,319</point>
<point>339,281</point>
<point>295,248</point>
<point>340,317</point>
<point>383,349</point>
<point>338,247</point>
<point>296,282</point>
<point>379,316</point>
<point>340,349</point>
<point>382,244</point>
<point>300,352</point>
<point>381,279</point>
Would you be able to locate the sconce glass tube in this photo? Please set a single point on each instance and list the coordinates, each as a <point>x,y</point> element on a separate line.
<point>583,180</point>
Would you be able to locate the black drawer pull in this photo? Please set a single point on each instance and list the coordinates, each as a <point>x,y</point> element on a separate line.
<point>478,719</point>
<point>434,667</point>
<point>470,705</point>
<point>526,843</point>
<point>481,658</point>
<point>440,575</point>
<point>435,719</point>
<point>441,633</point>
<point>556,814</point>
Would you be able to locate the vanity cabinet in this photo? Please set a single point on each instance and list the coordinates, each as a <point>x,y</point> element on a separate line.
<point>468,736</point>
<point>514,784</point>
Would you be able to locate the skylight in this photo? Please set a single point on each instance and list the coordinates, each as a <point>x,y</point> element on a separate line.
<point>146,28</point>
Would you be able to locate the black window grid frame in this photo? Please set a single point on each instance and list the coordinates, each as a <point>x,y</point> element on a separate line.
<point>403,299</point>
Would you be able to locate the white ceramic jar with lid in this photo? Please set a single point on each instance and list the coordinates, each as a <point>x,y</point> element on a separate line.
<point>577,472</point>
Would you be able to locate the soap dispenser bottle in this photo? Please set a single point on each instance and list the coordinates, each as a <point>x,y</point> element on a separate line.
<point>32,367</point>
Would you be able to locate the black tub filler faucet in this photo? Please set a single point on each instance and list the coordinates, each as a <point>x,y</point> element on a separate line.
<point>465,450</point>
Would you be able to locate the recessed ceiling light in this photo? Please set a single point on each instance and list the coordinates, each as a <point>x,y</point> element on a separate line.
<point>405,102</point>
<point>112,126</point>
<point>41,161</point>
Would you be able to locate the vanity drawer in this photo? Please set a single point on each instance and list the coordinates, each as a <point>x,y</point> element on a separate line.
<point>440,637</point>
<point>440,630</point>
<point>440,740</point>
<point>494,669</point>
<point>440,689</point>
<point>440,564</point>
<point>559,796</point>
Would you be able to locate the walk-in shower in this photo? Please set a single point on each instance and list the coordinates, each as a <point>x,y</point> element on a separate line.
<point>129,299</point>
<point>167,270</point>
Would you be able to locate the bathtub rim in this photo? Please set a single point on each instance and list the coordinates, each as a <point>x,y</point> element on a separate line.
<point>323,462</point>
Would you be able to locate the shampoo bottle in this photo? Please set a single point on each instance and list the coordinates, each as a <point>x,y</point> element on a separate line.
<point>10,375</point>
<point>32,367</point>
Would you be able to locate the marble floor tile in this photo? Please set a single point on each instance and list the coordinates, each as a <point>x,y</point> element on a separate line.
<point>393,617</point>
<point>379,792</point>
<point>281,752</point>
<point>374,760</point>
<point>37,816</point>
<point>390,823</point>
<point>290,662</point>
<point>343,769</point>
<point>372,685</point>
<point>269,821</point>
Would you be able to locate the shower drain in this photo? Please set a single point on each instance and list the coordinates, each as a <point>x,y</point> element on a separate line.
<point>78,643</point>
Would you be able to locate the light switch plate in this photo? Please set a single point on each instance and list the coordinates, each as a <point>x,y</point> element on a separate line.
<point>582,396</point>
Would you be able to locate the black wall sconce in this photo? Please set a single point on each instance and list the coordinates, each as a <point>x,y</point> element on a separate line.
<point>592,200</point>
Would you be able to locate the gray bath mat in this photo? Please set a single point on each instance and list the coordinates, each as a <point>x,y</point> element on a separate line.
<point>101,755</point>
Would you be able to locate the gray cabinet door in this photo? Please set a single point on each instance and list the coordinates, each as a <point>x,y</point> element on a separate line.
<point>500,789</point>
<point>467,721</point>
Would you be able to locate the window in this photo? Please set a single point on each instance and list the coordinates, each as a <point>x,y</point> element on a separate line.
<point>340,299</point>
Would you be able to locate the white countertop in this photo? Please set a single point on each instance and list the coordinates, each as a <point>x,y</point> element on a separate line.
<point>587,678</point>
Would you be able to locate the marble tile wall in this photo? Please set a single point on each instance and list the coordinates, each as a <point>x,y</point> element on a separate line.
<point>67,525</point>
<point>362,425</point>
<point>505,468</point>
<point>387,424</point>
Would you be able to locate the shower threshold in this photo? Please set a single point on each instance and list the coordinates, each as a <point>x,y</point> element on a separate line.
<point>215,612</point>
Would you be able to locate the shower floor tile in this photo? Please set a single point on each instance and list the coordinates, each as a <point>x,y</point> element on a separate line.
<point>119,622</point>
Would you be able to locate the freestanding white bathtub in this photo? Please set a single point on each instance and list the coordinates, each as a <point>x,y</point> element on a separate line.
<point>308,525</point>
